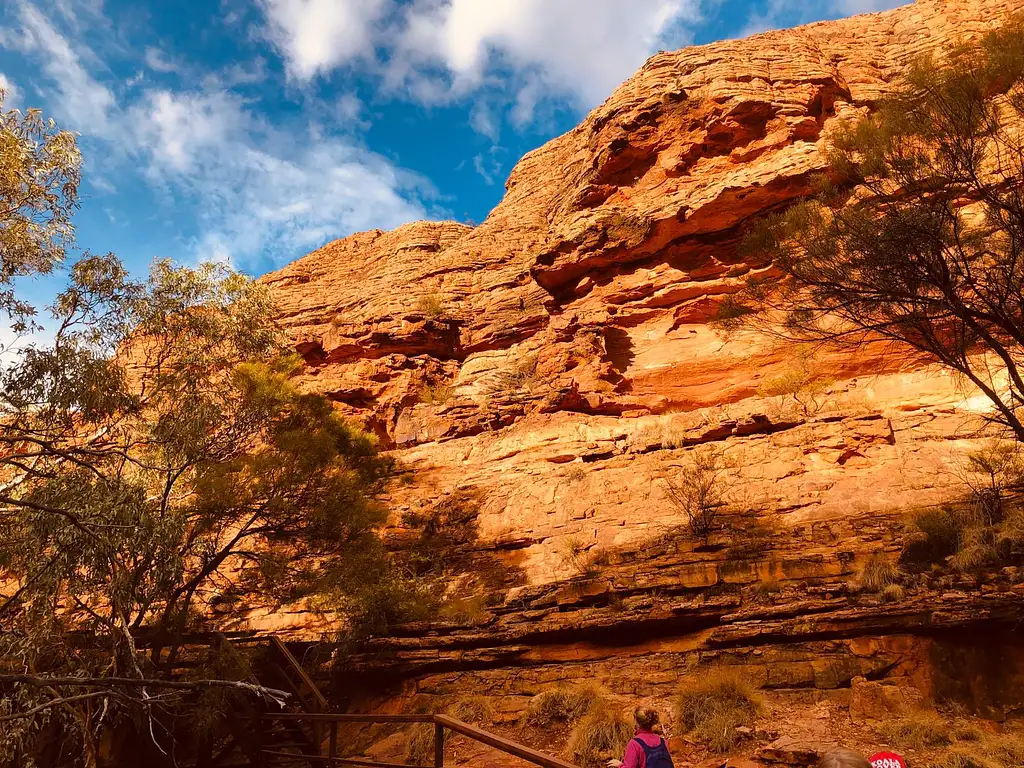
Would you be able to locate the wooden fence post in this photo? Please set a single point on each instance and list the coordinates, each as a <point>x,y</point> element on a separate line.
<point>332,750</point>
<point>438,745</point>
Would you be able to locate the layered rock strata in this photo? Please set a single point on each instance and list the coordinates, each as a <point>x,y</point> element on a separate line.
<point>549,368</point>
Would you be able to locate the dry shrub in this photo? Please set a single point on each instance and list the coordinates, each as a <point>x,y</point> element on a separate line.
<point>764,591</point>
<point>437,393</point>
<point>581,559</point>
<point>804,383</point>
<point>563,704</point>
<point>917,730</point>
<point>713,703</point>
<point>419,744</point>
<point>878,573</point>
<point>430,305</point>
<point>892,593</point>
<point>601,734</point>
<point>471,709</point>
<point>519,379</point>
<point>465,610</point>
<point>576,473</point>
<point>419,738</point>
<point>699,489</point>
<point>992,751</point>
<point>935,535</point>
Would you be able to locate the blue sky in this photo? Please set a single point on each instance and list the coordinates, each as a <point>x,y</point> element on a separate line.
<point>254,131</point>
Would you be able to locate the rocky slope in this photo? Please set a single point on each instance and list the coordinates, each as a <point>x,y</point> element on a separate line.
<point>541,374</point>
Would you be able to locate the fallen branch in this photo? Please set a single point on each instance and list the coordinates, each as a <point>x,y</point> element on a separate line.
<point>135,682</point>
<point>53,703</point>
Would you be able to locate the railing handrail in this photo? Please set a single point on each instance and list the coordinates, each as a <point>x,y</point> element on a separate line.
<point>442,721</point>
<point>338,717</point>
<point>299,670</point>
<point>500,743</point>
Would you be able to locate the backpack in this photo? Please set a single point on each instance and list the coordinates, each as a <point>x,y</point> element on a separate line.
<point>656,756</point>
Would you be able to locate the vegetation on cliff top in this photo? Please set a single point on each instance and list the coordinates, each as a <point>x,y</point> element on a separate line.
<point>917,236</point>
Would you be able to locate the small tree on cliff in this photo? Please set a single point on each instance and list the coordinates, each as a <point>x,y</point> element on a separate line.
<point>698,490</point>
<point>918,236</point>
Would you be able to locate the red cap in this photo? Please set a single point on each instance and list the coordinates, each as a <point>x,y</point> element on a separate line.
<point>887,760</point>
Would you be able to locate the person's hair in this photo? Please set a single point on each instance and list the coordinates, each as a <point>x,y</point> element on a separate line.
<point>843,758</point>
<point>646,717</point>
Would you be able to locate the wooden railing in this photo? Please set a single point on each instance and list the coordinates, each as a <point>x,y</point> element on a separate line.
<point>440,723</point>
<point>310,730</point>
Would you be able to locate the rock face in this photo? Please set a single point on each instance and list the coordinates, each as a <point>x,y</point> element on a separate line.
<point>549,368</point>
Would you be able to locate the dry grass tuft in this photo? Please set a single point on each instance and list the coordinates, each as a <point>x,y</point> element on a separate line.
<point>419,738</point>
<point>563,704</point>
<point>765,591</point>
<point>437,393</point>
<point>713,703</point>
<point>580,558</point>
<point>471,709</point>
<point>430,305</point>
<point>465,610</point>
<point>878,573</point>
<point>991,751</point>
<point>892,593</point>
<point>601,734</point>
<point>918,730</point>
<point>419,744</point>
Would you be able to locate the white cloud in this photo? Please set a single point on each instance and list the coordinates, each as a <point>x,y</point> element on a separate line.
<point>262,190</point>
<point>437,51</point>
<point>258,192</point>
<point>582,48</point>
<point>159,61</point>
<point>483,121</point>
<point>773,13</point>
<point>488,167</point>
<point>315,36</point>
<point>84,103</point>
<point>288,206</point>
<point>176,129</point>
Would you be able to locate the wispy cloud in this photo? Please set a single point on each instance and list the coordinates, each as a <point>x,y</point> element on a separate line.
<point>78,96</point>
<point>261,193</point>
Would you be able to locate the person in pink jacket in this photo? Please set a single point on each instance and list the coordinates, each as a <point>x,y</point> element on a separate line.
<point>646,749</point>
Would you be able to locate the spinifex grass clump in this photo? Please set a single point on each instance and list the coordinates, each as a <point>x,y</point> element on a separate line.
<point>713,704</point>
<point>601,734</point>
<point>563,704</point>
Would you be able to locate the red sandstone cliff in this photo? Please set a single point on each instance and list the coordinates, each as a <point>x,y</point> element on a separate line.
<point>549,366</point>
